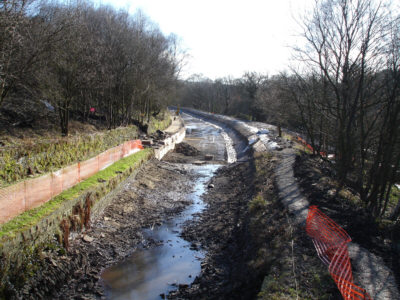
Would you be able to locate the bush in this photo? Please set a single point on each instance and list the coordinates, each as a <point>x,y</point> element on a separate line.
<point>257,203</point>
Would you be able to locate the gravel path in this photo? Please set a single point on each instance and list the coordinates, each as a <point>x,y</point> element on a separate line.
<point>372,274</point>
<point>369,270</point>
<point>289,191</point>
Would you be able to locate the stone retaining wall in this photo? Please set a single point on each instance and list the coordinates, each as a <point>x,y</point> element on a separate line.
<point>170,142</point>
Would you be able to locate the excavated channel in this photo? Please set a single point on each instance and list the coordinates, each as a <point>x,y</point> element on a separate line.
<point>151,273</point>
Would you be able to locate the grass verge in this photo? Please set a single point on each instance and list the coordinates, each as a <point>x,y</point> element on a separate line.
<point>31,217</point>
<point>159,123</point>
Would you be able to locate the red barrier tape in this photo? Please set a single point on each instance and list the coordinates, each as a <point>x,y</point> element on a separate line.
<point>330,241</point>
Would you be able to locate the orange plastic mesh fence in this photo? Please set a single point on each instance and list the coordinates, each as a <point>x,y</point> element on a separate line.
<point>114,154</point>
<point>301,141</point>
<point>125,148</point>
<point>104,160</point>
<point>57,182</point>
<point>70,176</point>
<point>330,241</point>
<point>36,190</point>
<point>89,167</point>
<point>119,152</point>
<point>31,193</point>
<point>12,200</point>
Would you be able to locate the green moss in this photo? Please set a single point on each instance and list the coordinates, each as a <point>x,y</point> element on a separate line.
<point>261,161</point>
<point>257,203</point>
<point>31,217</point>
<point>162,121</point>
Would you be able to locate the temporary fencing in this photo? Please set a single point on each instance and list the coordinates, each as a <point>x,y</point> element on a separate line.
<point>32,193</point>
<point>330,241</point>
<point>302,141</point>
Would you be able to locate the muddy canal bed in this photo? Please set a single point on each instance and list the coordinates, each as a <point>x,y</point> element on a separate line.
<point>135,249</point>
<point>188,227</point>
<point>166,261</point>
<point>170,261</point>
<point>160,192</point>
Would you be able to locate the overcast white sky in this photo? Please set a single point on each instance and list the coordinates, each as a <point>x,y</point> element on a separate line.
<point>227,37</point>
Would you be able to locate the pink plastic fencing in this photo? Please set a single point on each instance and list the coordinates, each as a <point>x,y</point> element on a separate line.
<point>32,193</point>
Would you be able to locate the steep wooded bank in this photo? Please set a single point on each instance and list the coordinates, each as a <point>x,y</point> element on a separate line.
<point>342,94</point>
<point>82,62</point>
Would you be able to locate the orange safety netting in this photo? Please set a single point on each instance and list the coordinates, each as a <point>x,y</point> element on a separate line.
<point>302,141</point>
<point>330,241</point>
<point>31,193</point>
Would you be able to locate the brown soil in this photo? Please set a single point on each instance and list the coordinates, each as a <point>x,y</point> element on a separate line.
<point>316,178</point>
<point>139,203</point>
<point>221,230</point>
<point>186,154</point>
<point>252,248</point>
<point>186,149</point>
<point>248,238</point>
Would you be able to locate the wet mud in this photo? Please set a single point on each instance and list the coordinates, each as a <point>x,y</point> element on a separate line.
<point>252,249</point>
<point>142,219</point>
<point>223,231</point>
<point>220,225</point>
<point>149,200</point>
<point>154,271</point>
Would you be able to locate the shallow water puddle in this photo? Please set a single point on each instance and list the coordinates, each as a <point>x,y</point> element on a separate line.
<point>148,273</point>
<point>207,137</point>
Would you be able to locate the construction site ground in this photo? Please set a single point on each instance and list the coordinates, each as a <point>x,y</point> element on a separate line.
<point>252,248</point>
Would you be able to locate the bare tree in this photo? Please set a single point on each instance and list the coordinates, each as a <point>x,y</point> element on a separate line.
<point>345,50</point>
<point>225,88</point>
<point>249,85</point>
<point>274,101</point>
<point>24,39</point>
